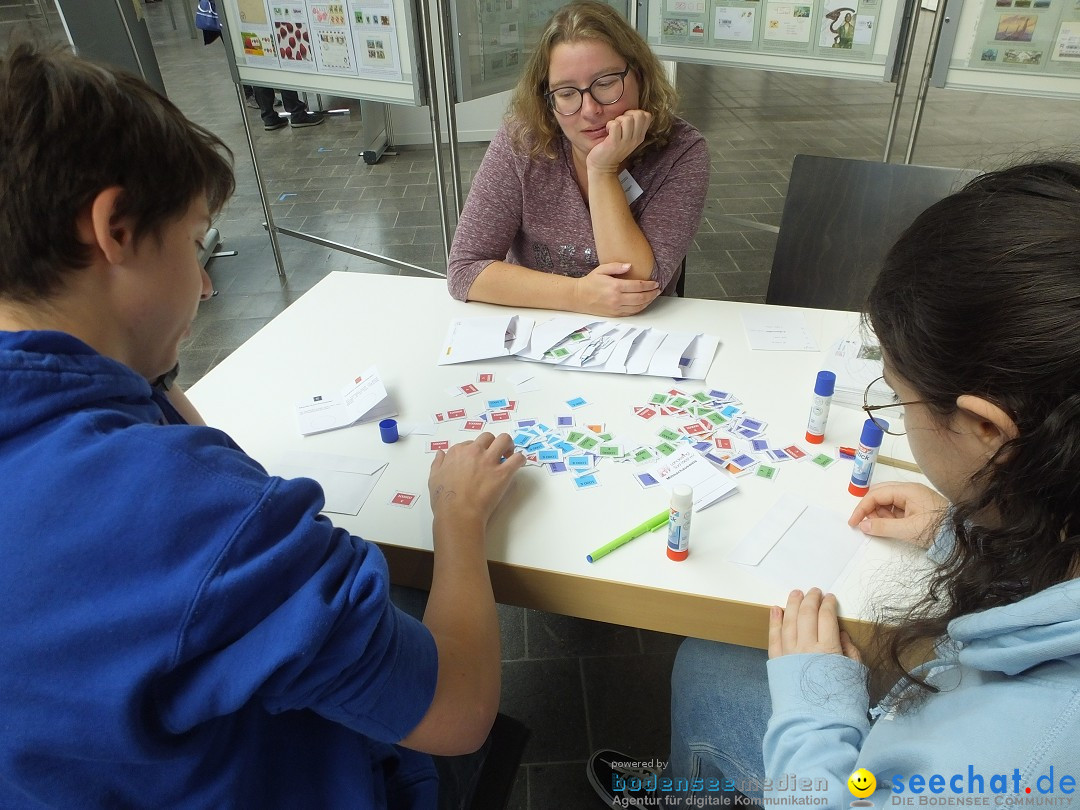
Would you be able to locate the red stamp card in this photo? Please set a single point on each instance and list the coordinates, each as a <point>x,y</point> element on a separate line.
<point>405,499</point>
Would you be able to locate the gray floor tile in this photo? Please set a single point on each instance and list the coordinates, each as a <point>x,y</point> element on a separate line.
<point>630,713</point>
<point>547,696</point>
<point>561,785</point>
<point>512,631</point>
<point>549,635</point>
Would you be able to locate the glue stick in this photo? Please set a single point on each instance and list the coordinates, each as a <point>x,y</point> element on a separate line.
<point>819,409</point>
<point>865,457</point>
<point>678,533</point>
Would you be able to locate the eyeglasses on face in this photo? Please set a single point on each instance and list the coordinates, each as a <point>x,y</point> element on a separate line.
<point>605,90</point>
<point>879,421</point>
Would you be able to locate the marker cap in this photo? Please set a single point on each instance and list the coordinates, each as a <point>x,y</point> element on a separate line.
<point>815,438</point>
<point>388,431</point>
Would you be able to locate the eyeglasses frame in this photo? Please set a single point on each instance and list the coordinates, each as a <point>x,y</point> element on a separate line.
<point>866,406</point>
<point>550,94</point>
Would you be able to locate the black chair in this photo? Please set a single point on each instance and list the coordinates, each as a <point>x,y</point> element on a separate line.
<point>840,218</point>
<point>680,285</point>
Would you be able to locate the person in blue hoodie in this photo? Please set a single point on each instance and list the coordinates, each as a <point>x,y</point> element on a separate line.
<point>977,310</point>
<point>177,627</point>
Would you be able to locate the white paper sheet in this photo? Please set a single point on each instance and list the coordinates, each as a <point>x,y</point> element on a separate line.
<point>362,400</point>
<point>798,545</point>
<point>772,329</point>
<point>686,467</point>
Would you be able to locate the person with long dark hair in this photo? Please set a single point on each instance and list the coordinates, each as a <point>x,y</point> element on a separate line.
<point>590,194</point>
<point>972,693</point>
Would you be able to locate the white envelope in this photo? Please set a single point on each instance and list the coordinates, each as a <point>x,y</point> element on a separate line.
<point>346,481</point>
<point>484,338</point>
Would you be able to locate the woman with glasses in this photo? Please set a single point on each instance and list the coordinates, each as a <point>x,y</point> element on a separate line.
<point>972,695</point>
<point>591,192</point>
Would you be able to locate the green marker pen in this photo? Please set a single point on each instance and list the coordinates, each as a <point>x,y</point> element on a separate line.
<point>650,525</point>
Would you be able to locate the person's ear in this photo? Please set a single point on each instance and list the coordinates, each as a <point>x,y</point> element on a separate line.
<point>987,422</point>
<point>104,229</point>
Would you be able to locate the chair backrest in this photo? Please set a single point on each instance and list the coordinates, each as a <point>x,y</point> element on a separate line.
<point>840,218</point>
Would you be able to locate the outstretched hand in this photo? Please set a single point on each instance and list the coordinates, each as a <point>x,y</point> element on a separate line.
<point>467,481</point>
<point>624,134</point>
<point>809,624</point>
<point>899,511</point>
<point>602,292</point>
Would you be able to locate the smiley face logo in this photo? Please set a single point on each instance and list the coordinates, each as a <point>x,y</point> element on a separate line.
<point>861,783</point>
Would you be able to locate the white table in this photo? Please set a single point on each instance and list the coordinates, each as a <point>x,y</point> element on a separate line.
<point>542,531</point>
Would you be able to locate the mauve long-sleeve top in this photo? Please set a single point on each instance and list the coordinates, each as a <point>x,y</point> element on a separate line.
<point>530,212</point>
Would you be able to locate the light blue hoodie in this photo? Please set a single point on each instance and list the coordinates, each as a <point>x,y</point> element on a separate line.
<point>1008,712</point>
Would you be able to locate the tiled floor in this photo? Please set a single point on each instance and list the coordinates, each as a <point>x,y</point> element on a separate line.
<point>579,685</point>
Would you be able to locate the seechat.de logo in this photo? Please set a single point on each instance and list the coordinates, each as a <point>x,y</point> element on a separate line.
<point>861,783</point>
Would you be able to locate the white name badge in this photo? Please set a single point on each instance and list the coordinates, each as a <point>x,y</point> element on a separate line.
<point>629,186</point>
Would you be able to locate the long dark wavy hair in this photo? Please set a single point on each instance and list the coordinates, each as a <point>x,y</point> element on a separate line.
<point>981,295</point>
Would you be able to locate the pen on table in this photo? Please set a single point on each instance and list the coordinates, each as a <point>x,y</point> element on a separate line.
<point>899,463</point>
<point>650,525</point>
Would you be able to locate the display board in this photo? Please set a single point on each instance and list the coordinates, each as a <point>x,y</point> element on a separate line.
<point>840,38</point>
<point>349,48</point>
<point>493,38</point>
<point>1029,47</point>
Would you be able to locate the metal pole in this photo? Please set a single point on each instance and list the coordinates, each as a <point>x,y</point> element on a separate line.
<point>924,84</point>
<point>912,9</point>
<point>451,107</point>
<point>388,127</point>
<point>365,254</point>
<point>271,229</point>
<point>131,40</point>
<point>433,106</point>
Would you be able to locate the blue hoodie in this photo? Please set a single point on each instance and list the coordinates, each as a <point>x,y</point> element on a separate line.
<point>1006,721</point>
<point>178,628</point>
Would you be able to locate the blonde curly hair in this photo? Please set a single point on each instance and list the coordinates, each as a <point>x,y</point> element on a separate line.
<point>531,122</point>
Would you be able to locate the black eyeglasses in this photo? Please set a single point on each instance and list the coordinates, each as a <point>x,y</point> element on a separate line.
<point>881,423</point>
<point>605,90</point>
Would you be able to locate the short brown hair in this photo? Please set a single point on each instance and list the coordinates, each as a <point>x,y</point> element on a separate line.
<point>533,128</point>
<point>69,129</point>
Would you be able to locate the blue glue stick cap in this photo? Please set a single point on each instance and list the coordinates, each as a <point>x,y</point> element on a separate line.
<point>388,430</point>
<point>825,384</point>
<point>872,432</point>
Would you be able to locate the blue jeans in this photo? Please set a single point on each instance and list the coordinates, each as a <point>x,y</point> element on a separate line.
<point>720,706</point>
